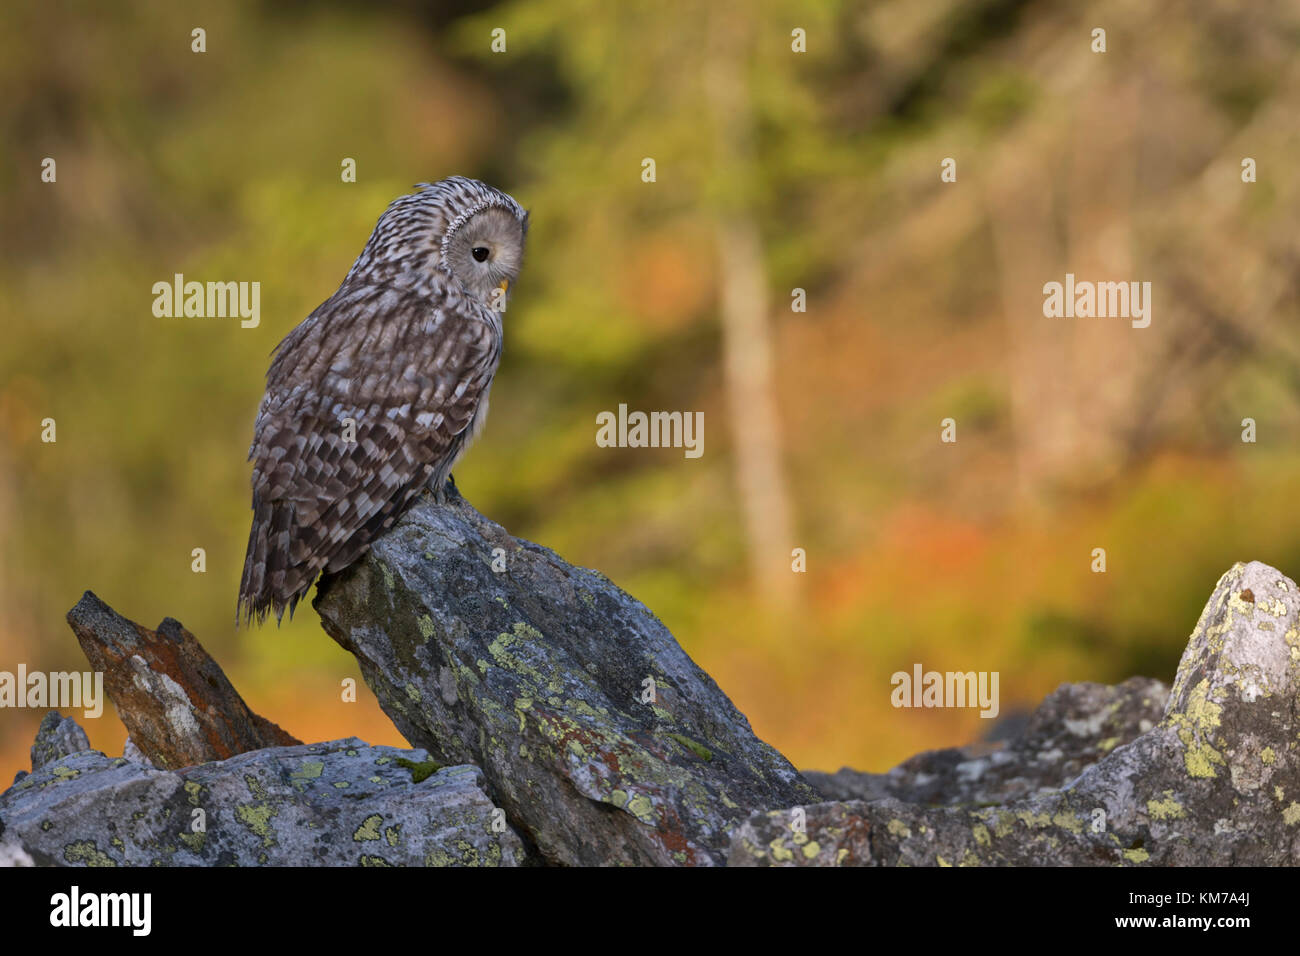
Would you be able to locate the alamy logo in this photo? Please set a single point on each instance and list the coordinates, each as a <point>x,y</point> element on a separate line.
<point>1103,300</point>
<point>653,430</point>
<point>951,689</point>
<point>102,909</point>
<point>213,300</point>
<point>60,690</point>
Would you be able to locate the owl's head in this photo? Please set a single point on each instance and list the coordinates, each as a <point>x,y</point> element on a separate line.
<point>484,249</point>
<point>459,226</point>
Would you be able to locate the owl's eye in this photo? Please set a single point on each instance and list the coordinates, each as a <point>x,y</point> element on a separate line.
<point>480,253</point>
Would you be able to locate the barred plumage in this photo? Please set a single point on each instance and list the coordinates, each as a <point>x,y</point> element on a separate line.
<point>406,349</point>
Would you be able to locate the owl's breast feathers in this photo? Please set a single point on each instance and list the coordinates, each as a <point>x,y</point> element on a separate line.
<point>367,400</point>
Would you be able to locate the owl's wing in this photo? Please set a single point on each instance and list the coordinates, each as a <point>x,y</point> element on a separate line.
<point>366,399</point>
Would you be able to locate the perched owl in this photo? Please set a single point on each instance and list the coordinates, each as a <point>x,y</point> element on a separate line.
<point>375,395</point>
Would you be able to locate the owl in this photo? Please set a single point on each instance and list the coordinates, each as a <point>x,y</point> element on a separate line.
<point>377,393</point>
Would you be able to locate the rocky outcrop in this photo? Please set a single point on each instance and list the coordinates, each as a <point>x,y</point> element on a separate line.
<point>556,721</point>
<point>1215,781</point>
<point>600,737</point>
<point>331,804</point>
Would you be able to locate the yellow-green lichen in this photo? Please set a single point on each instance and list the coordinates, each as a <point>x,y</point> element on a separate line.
<point>1195,727</point>
<point>779,851</point>
<point>257,817</point>
<point>1068,821</point>
<point>579,706</point>
<point>369,829</point>
<point>439,857</point>
<point>500,647</point>
<point>526,631</point>
<point>641,808</point>
<point>1166,809</point>
<point>1273,606</point>
<point>309,770</point>
<point>85,851</point>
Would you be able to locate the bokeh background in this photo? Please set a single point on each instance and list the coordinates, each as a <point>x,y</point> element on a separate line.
<point>775,171</point>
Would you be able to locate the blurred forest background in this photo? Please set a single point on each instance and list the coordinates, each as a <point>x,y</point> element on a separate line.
<point>775,170</point>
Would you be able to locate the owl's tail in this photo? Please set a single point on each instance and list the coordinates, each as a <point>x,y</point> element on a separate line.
<point>270,582</point>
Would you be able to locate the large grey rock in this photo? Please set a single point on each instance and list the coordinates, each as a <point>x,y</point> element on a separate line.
<point>330,804</point>
<point>541,673</point>
<point>1215,782</point>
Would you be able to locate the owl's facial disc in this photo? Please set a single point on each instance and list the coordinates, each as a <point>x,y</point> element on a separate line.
<point>485,253</point>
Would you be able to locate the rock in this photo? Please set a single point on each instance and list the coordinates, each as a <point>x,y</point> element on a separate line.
<point>1215,782</point>
<point>133,753</point>
<point>1075,726</point>
<point>331,804</point>
<point>11,854</point>
<point>824,834</point>
<point>58,737</point>
<point>176,702</point>
<point>541,674</point>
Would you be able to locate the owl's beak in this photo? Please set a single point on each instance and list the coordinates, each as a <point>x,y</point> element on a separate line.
<point>504,285</point>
